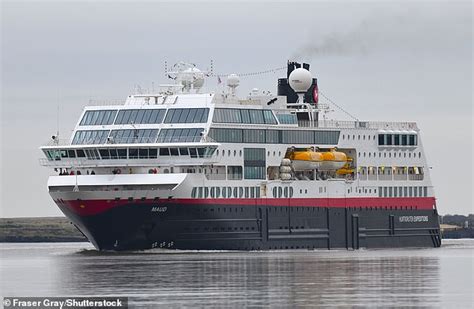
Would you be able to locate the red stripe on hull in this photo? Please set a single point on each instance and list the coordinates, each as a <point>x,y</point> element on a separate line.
<point>93,207</point>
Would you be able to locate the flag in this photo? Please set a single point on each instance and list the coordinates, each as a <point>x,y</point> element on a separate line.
<point>219,79</point>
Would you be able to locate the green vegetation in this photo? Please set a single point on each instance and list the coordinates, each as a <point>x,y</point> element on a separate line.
<point>48,229</point>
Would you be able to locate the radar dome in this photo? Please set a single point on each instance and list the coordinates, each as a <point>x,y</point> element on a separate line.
<point>193,76</point>
<point>233,80</point>
<point>300,80</point>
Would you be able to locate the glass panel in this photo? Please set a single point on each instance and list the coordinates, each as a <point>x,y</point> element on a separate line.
<point>176,115</point>
<point>133,153</point>
<point>122,153</point>
<point>174,151</point>
<point>140,116</point>
<point>164,152</point>
<point>80,153</point>
<point>143,153</point>
<point>184,115</point>
<point>153,153</point>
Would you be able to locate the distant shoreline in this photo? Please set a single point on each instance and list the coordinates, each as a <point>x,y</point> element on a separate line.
<point>42,229</point>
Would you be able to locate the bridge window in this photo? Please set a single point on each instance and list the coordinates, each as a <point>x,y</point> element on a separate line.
<point>90,137</point>
<point>180,135</point>
<point>247,116</point>
<point>140,116</point>
<point>133,136</point>
<point>187,115</point>
<point>100,117</point>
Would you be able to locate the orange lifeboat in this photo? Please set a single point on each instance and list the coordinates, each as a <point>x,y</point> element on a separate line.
<point>333,160</point>
<point>305,160</point>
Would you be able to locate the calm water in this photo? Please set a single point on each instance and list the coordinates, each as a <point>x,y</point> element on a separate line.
<point>424,277</point>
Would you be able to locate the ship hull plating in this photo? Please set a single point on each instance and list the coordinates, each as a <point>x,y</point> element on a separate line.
<point>174,224</point>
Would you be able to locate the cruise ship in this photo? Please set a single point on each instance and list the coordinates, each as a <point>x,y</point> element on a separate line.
<point>180,168</point>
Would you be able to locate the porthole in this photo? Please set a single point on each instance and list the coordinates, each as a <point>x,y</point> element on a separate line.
<point>285,191</point>
<point>228,152</point>
<point>280,191</point>
<point>235,153</point>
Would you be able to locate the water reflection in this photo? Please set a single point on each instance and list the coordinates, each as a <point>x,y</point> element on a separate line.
<point>286,279</point>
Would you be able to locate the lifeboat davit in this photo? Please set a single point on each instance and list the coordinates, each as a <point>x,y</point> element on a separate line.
<point>333,160</point>
<point>306,160</point>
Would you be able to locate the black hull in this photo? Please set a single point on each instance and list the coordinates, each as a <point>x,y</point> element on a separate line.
<point>230,227</point>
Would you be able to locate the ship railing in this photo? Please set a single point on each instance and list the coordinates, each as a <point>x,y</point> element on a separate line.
<point>132,140</point>
<point>58,142</point>
<point>140,162</point>
<point>110,102</point>
<point>344,124</point>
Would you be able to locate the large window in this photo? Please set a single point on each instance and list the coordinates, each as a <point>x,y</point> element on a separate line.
<point>287,118</point>
<point>297,137</point>
<point>254,163</point>
<point>226,135</point>
<point>234,172</point>
<point>274,136</point>
<point>140,116</point>
<point>133,136</point>
<point>180,135</point>
<point>187,115</point>
<point>235,115</point>
<point>90,137</point>
<point>397,140</point>
<point>94,118</point>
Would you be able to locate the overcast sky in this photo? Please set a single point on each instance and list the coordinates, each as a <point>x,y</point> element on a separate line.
<point>392,61</point>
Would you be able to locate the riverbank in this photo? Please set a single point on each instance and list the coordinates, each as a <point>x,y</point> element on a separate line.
<point>43,229</point>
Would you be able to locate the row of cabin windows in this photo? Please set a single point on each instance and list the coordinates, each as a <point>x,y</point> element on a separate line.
<point>225,192</point>
<point>403,191</point>
<point>145,116</point>
<point>398,140</point>
<point>390,173</point>
<point>274,136</point>
<point>389,154</point>
<point>130,153</point>
<point>362,190</point>
<point>279,192</point>
<point>246,116</point>
<point>135,136</point>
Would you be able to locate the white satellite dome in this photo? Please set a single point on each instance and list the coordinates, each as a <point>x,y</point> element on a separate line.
<point>233,80</point>
<point>192,76</point>
<point>300,80</point>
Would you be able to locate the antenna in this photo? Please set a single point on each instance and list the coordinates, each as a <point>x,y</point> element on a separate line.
<point>57,117</point>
